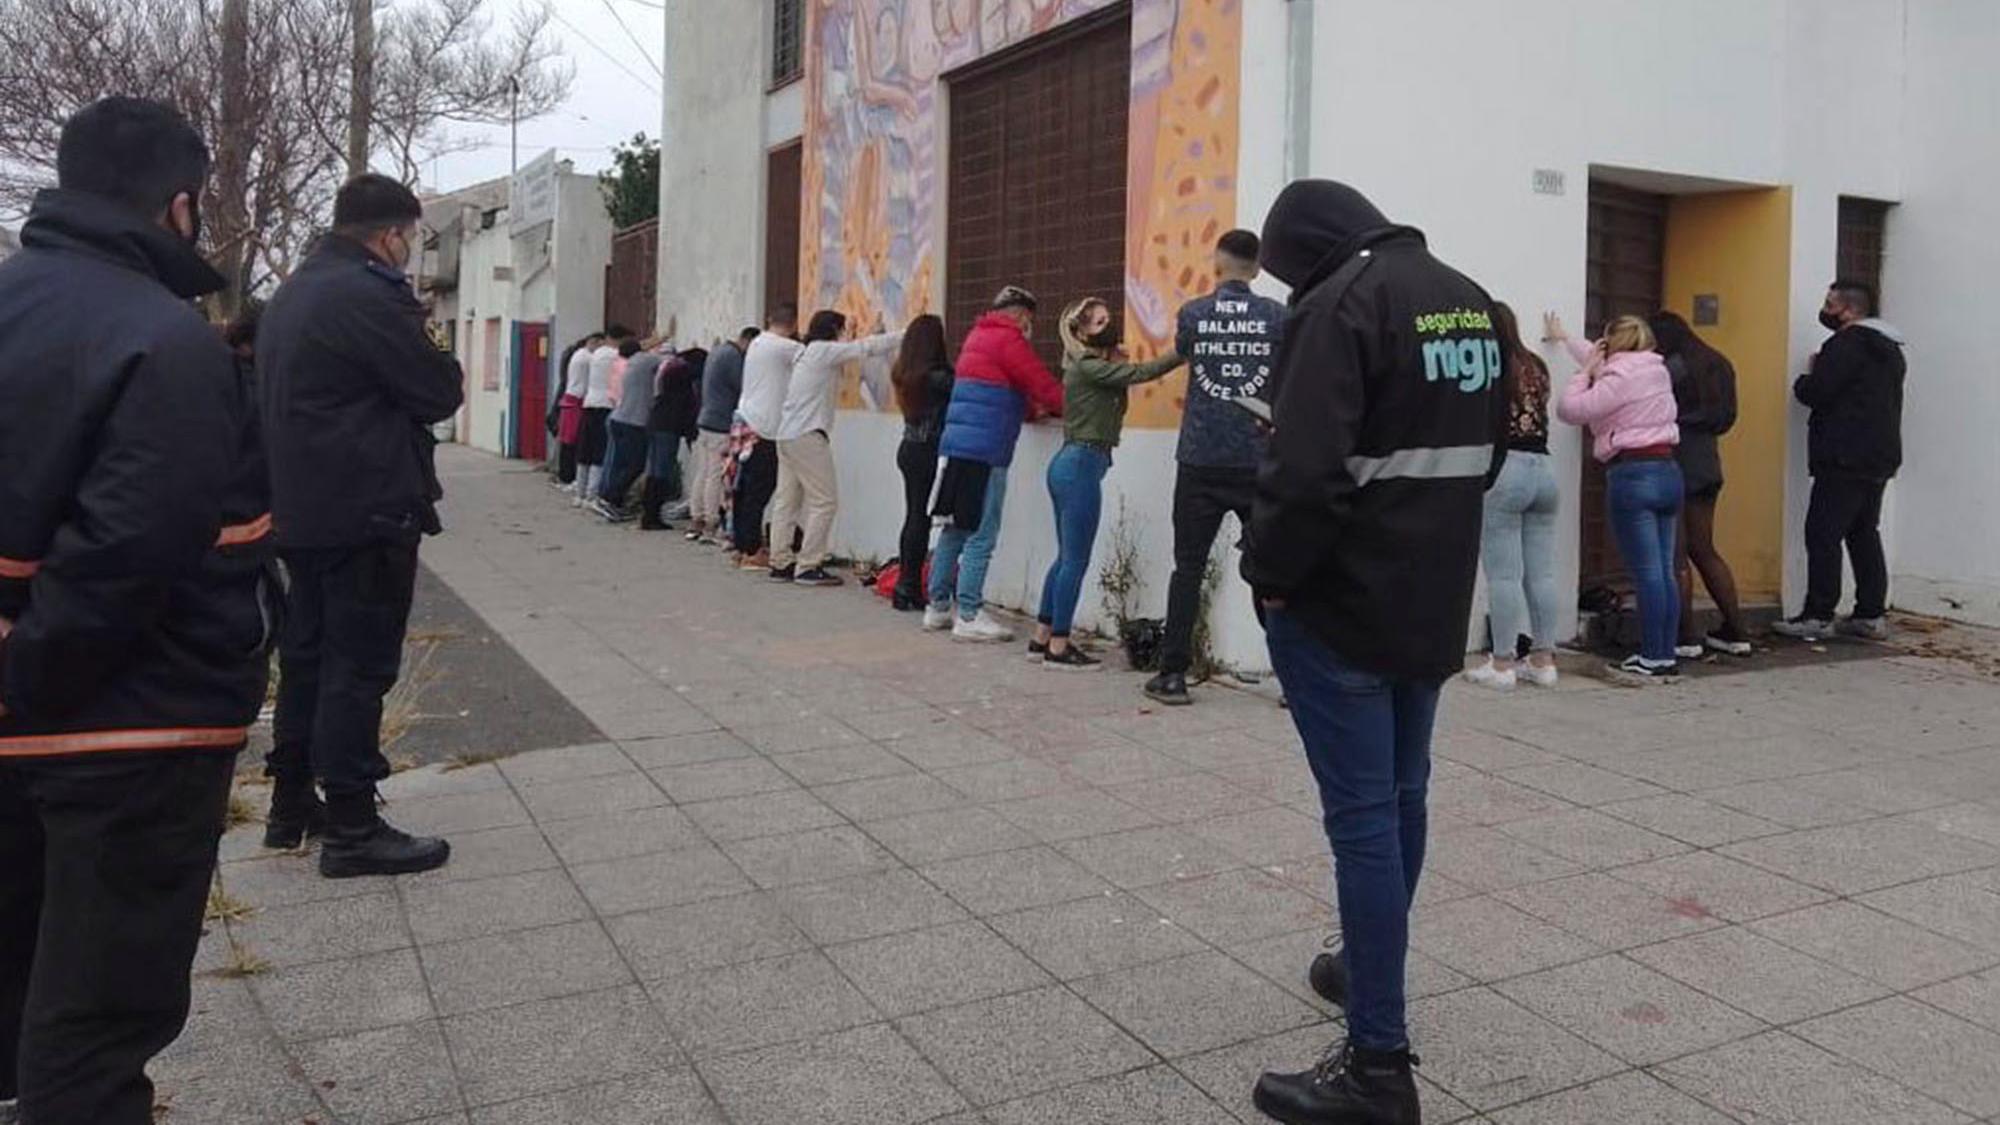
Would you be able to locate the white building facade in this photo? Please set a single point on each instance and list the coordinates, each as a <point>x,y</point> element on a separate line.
<point>1724,159</point>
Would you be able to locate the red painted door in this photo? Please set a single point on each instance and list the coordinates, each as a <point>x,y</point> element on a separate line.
<point>531,407</point>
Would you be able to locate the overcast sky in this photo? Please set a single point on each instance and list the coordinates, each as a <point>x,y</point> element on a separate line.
<point>616,92</point>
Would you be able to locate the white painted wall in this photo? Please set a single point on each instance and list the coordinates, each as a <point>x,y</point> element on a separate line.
<point>712,167</point>
<point>1939,266</point>
<point>481,294</point>
<point>578,255</point>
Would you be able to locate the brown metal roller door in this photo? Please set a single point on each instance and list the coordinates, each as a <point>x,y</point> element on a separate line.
<point>1036,193</point>
<point>1624,267</point>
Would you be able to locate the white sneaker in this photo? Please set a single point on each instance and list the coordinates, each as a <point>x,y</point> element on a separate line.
<point>981,630</point>
<point>938,618</point>
<point>1689,652</point>
<point>1545,677</point>
<point>1486,675</point>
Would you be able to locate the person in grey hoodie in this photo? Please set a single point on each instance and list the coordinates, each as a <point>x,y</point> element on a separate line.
<point>721,386</point>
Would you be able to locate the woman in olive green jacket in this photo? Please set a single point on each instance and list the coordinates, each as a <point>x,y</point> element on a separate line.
<point>1095,386</point>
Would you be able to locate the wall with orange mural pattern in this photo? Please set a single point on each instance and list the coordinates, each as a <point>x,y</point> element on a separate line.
<point>872,169</point>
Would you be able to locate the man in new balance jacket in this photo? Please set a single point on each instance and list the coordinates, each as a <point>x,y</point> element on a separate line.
<point>135,612</point>
<point>1364,541</point>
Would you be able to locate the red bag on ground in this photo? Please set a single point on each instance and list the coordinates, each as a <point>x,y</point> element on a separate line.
<point>885,579</point>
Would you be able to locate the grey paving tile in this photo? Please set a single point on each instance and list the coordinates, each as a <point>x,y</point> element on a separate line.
<point>442,912</point>
<point>687,749</point>
<point>1489,1052</point>
<point>1012,1046</point>
<point>1966,907</point>
<point>1975,997</point>
<point>799,735</point>
<point>1486,801</point>
<point>1632,1098</point>
<point>487,972</point>
<point>1691,820</point>
<point>868,1076</point>
<point>1009,779</point>
<point>644,882</point>
<point>1490,753</point>
<point>1144,856</point>
<point>673,1097</point>
<point>549,1045</point>
<point>1282,960</point>
<point>1873,944</point>
<point>1629,1010</point>
<point>997,882</point>
<point>705,935</point>
<point>808,857</point>
<point>758,1003</point>
<point>1194,1003</point>
<point>1592,838</point>
<point>1613,913</point>
<point>591,797</point>
<point>1729,889</point>
<point>1228,1075</point>
<point>729,777</point>
<point>378,1077</point>
<point>885,797</point>
<point>940,967</point>
<point>1487,860</point>
<point>1185,797</point>
<point>342,997</point>
<point>1094,935</point>
<point>1153,1096</point>
<point>1582,784</point>
<point>1264,836</point>
<point>1928,1050</point>
<point>1073,815</point>
<point>656,721</point>
<point>943,745</point>
<point>458,812</point>
<point>1783,802</point>
<point>865,906</point>
<point>483,855</point>
<point>1776,1077</point>
<point>1119,764</point>
<point>330,930</point>
<point>442,781</point>
<point>843,763</point>
<point>1236,906</point>
<point>1770,981</point>
<point>567,764</point>
<point>621,835</point>
<point>284,879</point>
<point>1854,858</point>
<point>762,814</point>
<point>245,1081</point>
<point>1487,939</point>
<point>933,837</point>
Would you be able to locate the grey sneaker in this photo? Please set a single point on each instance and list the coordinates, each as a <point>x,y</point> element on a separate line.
<point>10,1113</point>
<point>1866,628</point>
<point>1804,628</point>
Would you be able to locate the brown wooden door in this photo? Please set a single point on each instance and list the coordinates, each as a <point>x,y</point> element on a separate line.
<point>782,186</point>
<point>1037,183</point>
<point>1624,266</point>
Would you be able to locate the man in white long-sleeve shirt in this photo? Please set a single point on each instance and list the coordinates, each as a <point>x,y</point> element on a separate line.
<point>599,396</point>
<point>767,375</point>
<point>569,408</point>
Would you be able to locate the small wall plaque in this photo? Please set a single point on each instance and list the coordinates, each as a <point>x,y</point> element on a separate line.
<point>1707,309</point>
<point>1548,181</point>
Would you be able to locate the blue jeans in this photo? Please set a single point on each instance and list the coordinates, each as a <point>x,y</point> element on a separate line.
<point>1518,547</point>
<point>1368,740</point>
<point>1076,487</point>
<point>1643,499</point>
<point>663,461</point>
<point>967,553</point>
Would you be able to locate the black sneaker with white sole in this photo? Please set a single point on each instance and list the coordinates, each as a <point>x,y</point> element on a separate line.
<point>817,576</point>
<point>1072,659</point>
<point>1803,628</point>
<point>1642,668</point>
<point>1728,642</point>
<point>782,573</point>
<point>1169,688</point>
<point>1038,651</point>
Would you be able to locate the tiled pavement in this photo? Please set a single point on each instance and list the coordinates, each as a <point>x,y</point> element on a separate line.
<point>827,869</point>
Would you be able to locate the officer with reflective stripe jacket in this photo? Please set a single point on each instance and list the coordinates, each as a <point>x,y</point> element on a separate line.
<point>351,381</point>
<point>134,630</point>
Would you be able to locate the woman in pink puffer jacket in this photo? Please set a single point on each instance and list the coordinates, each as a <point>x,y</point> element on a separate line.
<point>1625,394</point>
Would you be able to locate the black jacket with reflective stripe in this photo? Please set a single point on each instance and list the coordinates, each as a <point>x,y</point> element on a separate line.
<point>134,546</point>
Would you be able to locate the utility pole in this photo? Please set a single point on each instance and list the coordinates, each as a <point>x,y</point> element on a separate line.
<point>232,155</point>
<point>514,124</point>
<point>361,98</point>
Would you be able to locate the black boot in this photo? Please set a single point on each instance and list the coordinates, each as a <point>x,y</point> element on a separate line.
<point>1169,688</point>
<point>296,814</point>
<point>1350,1086</point>
<point>1328,974</point>
<point>651,500</point>
<point>359,842</point>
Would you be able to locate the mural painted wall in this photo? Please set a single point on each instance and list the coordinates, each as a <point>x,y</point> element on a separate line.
<point>869,219</point>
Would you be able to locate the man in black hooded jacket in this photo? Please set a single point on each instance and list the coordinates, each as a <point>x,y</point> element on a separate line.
<point>1362,549</point>
<point>136,609</point>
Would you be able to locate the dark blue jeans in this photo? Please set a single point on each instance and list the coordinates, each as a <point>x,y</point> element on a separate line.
<point>1643,500</point>
<point>1368,740</point>
<point>1076,488</point>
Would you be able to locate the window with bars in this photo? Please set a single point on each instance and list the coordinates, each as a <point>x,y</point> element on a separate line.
<point>788,41</point>
<point>1858,255</point>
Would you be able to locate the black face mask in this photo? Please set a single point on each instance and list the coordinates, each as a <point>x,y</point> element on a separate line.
<point>1830,321</point>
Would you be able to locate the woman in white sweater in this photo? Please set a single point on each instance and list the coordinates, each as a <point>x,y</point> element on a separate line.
<point>807,495</point>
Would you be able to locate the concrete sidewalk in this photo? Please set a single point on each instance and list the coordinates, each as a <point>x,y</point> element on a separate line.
<point>833,870</point>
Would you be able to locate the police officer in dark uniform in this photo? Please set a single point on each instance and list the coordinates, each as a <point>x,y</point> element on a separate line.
<point>351,381</point>
<point>137,603</point>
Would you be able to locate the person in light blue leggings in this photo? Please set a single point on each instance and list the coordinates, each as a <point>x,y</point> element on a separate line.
<point>958,566</point>
<point>1517,544</point>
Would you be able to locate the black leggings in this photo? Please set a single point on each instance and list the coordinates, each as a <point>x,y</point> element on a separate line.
<point>919,464</point>
<point>1698,549</point>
